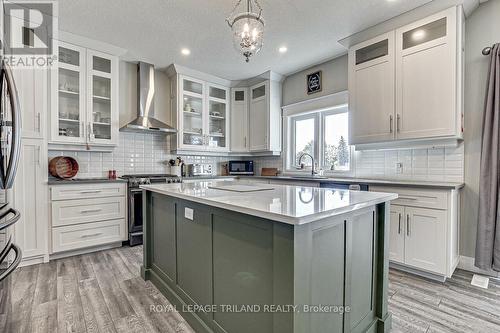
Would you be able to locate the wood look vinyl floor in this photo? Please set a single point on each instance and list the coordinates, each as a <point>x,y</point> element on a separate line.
<point>103,292</point>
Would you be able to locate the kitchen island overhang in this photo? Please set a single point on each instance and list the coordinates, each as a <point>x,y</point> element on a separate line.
<point>285,259</point>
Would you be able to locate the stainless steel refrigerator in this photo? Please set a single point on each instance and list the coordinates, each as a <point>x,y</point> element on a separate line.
<point>10,141</point>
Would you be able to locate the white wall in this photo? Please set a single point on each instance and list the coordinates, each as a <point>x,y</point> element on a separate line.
<point>334,80</point>
<point>482,29</point>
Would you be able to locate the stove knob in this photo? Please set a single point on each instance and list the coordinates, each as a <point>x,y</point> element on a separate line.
<point>134,182</point>
<point>169,181</point>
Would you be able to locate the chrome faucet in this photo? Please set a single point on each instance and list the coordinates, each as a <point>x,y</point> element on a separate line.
<point>313,172</point>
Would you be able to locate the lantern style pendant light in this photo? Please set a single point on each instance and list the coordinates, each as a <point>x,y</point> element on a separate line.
<point>247,28</point>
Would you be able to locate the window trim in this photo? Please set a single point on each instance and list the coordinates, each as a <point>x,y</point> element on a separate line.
<point>337,110</point>
<point>293,138</point>
<point>317,108</point>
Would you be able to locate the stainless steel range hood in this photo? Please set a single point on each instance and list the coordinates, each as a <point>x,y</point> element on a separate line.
<point>145,121</point>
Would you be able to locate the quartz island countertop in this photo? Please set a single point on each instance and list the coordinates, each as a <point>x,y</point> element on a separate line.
<point>288,204</point>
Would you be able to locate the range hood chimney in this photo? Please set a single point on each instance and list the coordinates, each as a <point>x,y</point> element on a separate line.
<point>145,121</point>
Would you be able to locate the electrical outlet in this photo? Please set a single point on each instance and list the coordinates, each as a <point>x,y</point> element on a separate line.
<point>188,213</point>
<point>399,168</point>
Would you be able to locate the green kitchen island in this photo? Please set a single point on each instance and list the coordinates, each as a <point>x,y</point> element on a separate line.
<point>269,258</point>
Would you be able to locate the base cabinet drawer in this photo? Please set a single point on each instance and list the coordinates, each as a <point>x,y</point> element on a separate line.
<point>69,212</point>
<point>85,235</point>
<point>425,198</point>
<point>80,191</point>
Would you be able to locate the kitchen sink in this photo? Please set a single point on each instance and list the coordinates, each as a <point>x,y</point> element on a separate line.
<point>309,177</point>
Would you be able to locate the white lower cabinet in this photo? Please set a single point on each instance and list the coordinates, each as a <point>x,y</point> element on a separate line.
<point>424,229</point>
<point>425,234</point>
<point>397,234</point>
<point>417,236</point>
<point>88,234</point>
<point>87,215</point>
<point>30,199</point>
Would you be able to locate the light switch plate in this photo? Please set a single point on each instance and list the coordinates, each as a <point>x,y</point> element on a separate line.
<point>399,168</point>
<point>189,213</point>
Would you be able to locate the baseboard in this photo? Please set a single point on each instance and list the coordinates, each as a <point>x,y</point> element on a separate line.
<point>467,264</point>
<point>428,275</point>
<point>84,251</point>
<point>33,260</point>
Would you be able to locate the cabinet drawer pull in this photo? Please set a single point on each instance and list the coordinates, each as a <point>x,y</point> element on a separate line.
<point>90,211</point>
<point>408,225</point>
<point>399,225</point>
<point>90,191</point>
<point>91,235</point>
<point>407,198</point>
<point>398,118</point>
<point>391,122</point>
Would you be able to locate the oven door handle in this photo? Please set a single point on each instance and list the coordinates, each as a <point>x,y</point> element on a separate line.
<point>135,190</point>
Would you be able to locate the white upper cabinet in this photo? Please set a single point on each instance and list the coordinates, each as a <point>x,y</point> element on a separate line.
<point>407,84</point>
<point>32,91</point>
<point>210,117</point>
<point>265,117</point>
<point>84,97</point>
<point>371,90</point>
<point>259,106</point>
<point>239,120</point>
<point>102,88</point>
<point>426,77</point>
<point>203,115</point>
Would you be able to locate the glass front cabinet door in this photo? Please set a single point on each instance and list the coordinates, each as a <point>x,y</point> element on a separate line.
<point>69,95</point>
<point>192,113</point>
<point>218,112</point>
<point>85,97</point>
<point>102,98</point>
<point>203,115</point>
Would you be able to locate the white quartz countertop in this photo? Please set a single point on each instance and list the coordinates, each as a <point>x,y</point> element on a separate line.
<point>289,204</point>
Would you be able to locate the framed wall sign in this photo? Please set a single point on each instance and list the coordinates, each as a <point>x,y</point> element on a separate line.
<point>314,82</point>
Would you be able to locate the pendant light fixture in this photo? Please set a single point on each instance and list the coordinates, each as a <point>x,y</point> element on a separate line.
<point>247,28</point>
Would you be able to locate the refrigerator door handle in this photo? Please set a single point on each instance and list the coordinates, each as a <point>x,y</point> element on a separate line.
<point>7,175</point>
<point>3,255</point>
<point>10,221</point>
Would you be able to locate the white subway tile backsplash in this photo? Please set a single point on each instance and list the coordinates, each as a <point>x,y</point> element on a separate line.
<point>136,153</point>
<point>143,153</point>
<point>432,164</point>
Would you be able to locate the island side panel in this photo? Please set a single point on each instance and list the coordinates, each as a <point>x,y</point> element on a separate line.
<point>360,271</point>
<point>319,274</point>
<point>253,266</point>
<point>147,221</point>
<point>244,260</point>
<point>163,229</point>
<point>383,215</point>
<point>337,263</point>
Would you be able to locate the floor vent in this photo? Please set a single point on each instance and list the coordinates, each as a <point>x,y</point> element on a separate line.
<point>480,281</point>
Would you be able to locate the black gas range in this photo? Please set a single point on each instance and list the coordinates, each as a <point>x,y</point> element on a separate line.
<point>134,193</point>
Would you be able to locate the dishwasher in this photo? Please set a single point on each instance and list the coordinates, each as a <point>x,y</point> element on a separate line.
<point>344,186</point>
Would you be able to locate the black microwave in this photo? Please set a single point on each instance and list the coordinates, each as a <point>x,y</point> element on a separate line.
<point>241,168</point>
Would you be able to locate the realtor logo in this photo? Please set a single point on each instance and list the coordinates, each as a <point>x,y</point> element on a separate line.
<point>28,33</point>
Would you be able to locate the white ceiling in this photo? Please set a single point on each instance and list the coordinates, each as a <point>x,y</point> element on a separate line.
<point>156,30</point>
